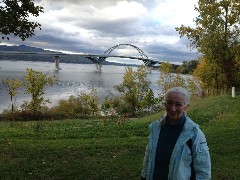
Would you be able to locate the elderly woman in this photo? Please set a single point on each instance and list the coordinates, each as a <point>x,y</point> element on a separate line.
<point>177,148</point>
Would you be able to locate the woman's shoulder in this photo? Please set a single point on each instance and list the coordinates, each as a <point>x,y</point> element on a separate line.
<point>194,127</point>
<point>189,122</point>
<point>157,123</point>
<point>154,123</point>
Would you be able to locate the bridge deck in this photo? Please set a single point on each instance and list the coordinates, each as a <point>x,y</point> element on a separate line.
<point>75,54</point>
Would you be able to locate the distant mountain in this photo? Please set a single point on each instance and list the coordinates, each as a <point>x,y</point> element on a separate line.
<point>22,48</point>
<point>66,58</point>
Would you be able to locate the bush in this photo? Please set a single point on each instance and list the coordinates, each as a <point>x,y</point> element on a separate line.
<point>26,115</point>
<point>83,105</point>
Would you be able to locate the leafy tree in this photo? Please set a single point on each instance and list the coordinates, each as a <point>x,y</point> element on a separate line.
<point>237,66</point>
<point>192,65</point>
<point>14,16</point>
<point>165,78</point>
<point>66,108</point>
<point>182,69</point>
<point>168,80</point>
<point>82,105</point>
<point>209,76</point>
<point>35,84</point>
<point>133,90</point>
<point>117,105</point>
<point>150,103</point>
<point>128,91</point>
<point>187,67</point>
<point>12,86</point>
<point>142,83</point>
<point>89,102</point>
<point>107,107</point>
<point>216,35</point>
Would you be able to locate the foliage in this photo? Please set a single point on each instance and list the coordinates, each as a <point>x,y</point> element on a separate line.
<point>123,119</point>
<point>151,103</point>
<point>149,100</point>
<point>133,90</point>
<point>128,91</point>
<point>187,67</point>
<point>107,107</point>
<point>82,105</point>
<point>217,36</point>
<point>89,103</point>
<point>14,18</point>
<point>237,67</point>
<point>210,77</point>
<point>12,86</point>
<point>168,80</point>
<point>27,115</point>
<point>165,78</point>
<point>35,84</point>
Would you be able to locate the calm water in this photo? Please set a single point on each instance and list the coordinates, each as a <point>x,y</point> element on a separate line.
<point>72,79</point>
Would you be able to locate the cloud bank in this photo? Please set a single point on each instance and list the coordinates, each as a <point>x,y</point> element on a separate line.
<point>93,26</point>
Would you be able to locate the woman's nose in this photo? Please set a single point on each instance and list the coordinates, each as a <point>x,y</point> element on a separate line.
<point>173,107</point>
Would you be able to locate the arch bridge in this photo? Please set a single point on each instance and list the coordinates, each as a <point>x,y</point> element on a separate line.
<point>98,59</point>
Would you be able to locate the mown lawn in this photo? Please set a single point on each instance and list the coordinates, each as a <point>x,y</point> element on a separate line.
<point>88,149</point>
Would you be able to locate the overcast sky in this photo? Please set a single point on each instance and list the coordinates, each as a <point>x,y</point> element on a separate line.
<point>94,26</point>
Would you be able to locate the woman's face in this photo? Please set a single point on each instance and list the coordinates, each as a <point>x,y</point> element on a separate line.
<point>175,106</point>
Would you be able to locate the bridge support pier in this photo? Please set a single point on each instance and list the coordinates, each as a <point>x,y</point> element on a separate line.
<point>99,67</point>
<point>97,61</point>
<point>57,59</point>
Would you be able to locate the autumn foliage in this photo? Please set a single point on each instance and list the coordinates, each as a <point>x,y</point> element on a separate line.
<point>216,36</point>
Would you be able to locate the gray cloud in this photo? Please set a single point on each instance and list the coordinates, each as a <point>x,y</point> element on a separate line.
<point>93,26</point>
<point>166,52</point>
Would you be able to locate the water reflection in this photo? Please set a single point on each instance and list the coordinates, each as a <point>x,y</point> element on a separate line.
<point>72,79</point>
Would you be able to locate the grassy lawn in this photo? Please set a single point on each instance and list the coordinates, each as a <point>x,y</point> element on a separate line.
<point>88,149</point>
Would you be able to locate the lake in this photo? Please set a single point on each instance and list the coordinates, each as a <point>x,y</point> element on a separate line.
<point>72,79</point>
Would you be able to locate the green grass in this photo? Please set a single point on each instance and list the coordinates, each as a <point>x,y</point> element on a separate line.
<point>88,149</point>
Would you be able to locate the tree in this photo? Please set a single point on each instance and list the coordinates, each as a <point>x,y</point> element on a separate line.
<point>12,86</point>
<point>35,84</point>
<point>133,90</point>
<point>14,16</point>
<point>142,83</point>
<point>168,79</point>
<point>216,35</point>
<point>182,68</point>
<point>149,101</point>
<point>166,76</point>
<point>187,67</point>
<point>83,105</point>
<point>89,103</point>
<point>107,107</point>
<point>128,91</point>
<point>209,76</point>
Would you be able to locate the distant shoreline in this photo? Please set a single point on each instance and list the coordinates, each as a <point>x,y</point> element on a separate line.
<point>37,54</point>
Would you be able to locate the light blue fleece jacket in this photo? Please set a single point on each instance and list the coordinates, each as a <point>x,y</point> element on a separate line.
<point>179,167</point>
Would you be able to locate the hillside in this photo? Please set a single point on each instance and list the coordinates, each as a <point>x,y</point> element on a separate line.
<point>8,53</point>
<point>21,48</point>
<point>101,149</point>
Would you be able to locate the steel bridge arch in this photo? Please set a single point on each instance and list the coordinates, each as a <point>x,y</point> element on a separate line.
<point>143,55</point>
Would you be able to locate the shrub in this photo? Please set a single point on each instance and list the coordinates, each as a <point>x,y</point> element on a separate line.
<point>26,115</point>
<point>81,106</point>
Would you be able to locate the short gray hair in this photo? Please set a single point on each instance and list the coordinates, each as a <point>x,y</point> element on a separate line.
<point>182,91</point>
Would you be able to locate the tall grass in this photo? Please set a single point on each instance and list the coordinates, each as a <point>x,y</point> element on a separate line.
<point>93,149</point>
